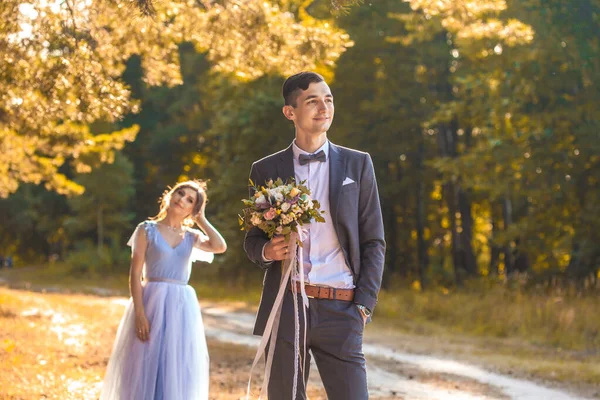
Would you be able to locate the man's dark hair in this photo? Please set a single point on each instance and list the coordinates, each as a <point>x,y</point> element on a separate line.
<point>293,85</point>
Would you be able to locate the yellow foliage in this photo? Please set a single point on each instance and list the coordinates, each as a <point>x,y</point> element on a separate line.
<point>61,63</point>
<point>8,345</point>
<point>471,23</point>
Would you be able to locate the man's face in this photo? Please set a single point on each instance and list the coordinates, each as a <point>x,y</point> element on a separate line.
<point>314,110</point>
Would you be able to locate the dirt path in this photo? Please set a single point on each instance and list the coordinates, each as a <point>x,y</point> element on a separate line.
<point>56,346</point>
<point>393,373</point>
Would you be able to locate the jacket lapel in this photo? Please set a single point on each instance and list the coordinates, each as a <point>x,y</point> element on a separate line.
<point>337,167</point>
<point>285,165</point>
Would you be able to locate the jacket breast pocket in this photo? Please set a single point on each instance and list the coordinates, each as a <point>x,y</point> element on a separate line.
<point>350,187</point>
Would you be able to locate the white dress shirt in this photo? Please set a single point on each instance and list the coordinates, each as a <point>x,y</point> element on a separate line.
<point>324,262</point>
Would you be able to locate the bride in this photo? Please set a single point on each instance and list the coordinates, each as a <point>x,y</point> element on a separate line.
<point>160,348</point>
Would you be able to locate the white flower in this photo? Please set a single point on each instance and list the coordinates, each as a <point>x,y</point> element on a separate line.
<point>285,207</point>
<point>262,200</point>
<point>276,193</point>
<point>287,218</point>
<point>256,220</point>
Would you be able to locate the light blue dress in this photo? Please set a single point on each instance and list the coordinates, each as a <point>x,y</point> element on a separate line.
<point>174,363</point>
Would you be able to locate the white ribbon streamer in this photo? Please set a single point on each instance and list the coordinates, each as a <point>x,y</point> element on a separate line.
<point>293,267</point>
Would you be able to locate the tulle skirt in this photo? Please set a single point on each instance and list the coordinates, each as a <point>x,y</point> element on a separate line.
<point>174,363</point>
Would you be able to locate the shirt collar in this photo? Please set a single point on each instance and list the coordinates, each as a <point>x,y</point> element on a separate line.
<point>297,150</point>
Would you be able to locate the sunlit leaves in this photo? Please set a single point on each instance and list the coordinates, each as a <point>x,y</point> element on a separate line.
<point>251,39</point>
<point>36,158</point>
<point>61,63</point>
<point>466,20</point>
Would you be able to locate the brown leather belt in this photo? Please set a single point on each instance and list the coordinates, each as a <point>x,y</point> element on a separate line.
<point>322,292</point>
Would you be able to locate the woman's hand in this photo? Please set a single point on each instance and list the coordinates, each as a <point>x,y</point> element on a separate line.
<point>142,327</point>
<point>200,215</point>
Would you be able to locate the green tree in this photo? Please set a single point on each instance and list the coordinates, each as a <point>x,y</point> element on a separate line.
<point>102,208</point>
<point>32,224</point>
<point>521,102</point>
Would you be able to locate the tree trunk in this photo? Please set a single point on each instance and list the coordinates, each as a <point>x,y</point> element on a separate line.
<point>464,204</point>
<point>456,250</point>
<point>392,252</point>
<point>422,259</point>
<point>466,236</point>
<point>447,146</point>
<point>494,250</point>
<point>508,255</point>
<point>100,230</point>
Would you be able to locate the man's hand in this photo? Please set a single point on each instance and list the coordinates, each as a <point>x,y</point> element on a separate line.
<point>276,249</point>
<point>364,312</point>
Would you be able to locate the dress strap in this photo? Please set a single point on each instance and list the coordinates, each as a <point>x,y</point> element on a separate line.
<point>147,228</point>
<point>166,280</point>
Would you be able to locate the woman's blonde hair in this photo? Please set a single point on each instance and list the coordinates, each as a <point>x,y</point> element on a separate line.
<point>197,185</point>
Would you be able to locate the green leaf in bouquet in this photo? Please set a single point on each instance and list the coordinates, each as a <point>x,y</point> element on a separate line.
<point>251,183</point>
<point>286,230</point>
<point>278,182</point>
<point>304,189</point>
<point>272,224</point>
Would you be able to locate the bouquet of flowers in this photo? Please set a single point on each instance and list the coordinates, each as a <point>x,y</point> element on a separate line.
<point>278,208</point>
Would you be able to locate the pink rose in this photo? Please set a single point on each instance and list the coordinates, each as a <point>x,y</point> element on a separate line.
<point>270,214</point>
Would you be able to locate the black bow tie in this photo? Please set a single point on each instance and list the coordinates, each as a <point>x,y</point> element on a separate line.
<point>306,158</point>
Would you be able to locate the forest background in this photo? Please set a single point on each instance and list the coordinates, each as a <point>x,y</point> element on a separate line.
<point>480,116</point>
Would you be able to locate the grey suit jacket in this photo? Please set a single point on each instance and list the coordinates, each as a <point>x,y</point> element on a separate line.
<point>355,214</point>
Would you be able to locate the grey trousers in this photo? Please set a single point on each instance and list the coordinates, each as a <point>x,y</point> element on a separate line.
<point>334,337</point>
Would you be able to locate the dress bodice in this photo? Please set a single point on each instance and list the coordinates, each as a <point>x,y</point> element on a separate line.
<point>166,262</point>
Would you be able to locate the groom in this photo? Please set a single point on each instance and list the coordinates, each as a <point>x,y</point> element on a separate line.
<point>343,257</point>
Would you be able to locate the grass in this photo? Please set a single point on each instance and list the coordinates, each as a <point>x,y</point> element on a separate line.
<point>561,322</point>
<point>59,278</point>
<point>551,338</point>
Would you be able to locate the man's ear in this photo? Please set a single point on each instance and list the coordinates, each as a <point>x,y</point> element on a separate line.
<point>288,111</point>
